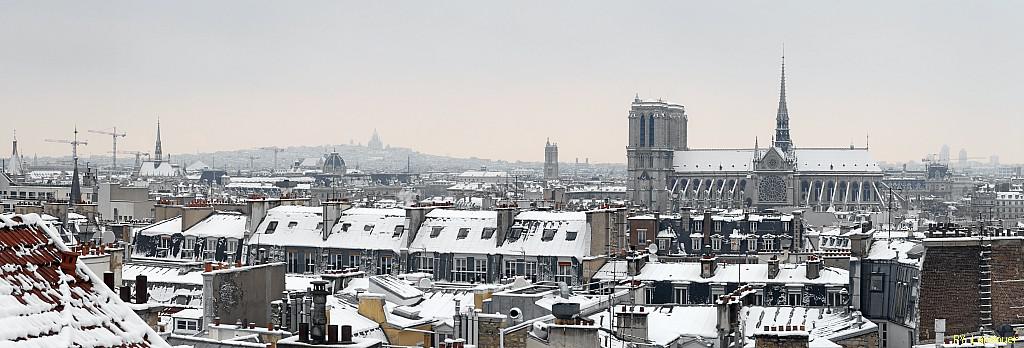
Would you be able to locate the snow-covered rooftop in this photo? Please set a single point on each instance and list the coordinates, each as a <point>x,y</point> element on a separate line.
<point>725,273</point>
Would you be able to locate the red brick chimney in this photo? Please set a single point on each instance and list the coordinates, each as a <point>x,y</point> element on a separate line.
<point>68,262</point>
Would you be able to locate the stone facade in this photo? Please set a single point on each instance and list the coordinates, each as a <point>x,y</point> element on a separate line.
<point>656,130</point>
<point>862,341</point>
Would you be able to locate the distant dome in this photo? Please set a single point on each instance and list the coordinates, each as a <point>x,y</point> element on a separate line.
<point>334,164</point>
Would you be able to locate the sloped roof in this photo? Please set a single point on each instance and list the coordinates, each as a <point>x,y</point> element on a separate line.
<point>725,273</point>
<point>534,224</point>
<point>808,160</point>
<point>42,306</point>
<point>450,222</point>
<point>152,168</point>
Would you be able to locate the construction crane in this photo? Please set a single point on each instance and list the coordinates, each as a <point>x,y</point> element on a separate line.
<point>114,135</point>
<point>138,155</point>
<point>74,145</point>
<point>276,151</point>
<point>251,159</point>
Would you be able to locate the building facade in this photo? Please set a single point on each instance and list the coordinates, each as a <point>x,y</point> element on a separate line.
<point>665,174</point>
<point>550,161</point>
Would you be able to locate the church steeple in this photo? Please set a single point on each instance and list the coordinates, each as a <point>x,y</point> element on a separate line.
<point>158,153</point>
<point>782,139</point>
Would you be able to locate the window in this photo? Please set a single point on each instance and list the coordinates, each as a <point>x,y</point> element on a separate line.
<point>716,243</point>
<point>186,325</point>
<point>435,231</point>
<point>480,267</point>
<point>355,261</point>
<point>292,224</point>
<point>488,232</point>
<point>345,226</point>
<point>679,294</point>
<point>384,265</point>
<point>759,298</point>
<point>753,226</point>
<point>232,246</point>
<point>310,263</point>
<point>694,243</point>
<point>529,268</point>
<point>698,225</point>
<point>734,244</point>
<point>188,248</point>
<point>211,248</point>
<point>398,231</point>
<point>649,293</point>
<point>461,269</point>
<point>718,226</point>
<point>795,299</point>
<point>515,233</point>
<point>368,227</point>
<point>641,236</point>
<point>752,244</point>
<point>293,262</point>
<point>769,244</point>
<point>570,235</point>
<point>426,262</point>
<point>835,299</point>
<point>320,226</point>
<point>564,272</point>
<point>164,242</point>
<point>463,232</point>
<point>271,227</point>
<point>549,234</point>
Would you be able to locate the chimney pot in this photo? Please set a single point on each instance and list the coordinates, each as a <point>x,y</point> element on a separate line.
<point>141,289</point>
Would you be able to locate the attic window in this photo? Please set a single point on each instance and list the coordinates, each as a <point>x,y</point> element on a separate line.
<point>514,235</point>
<point>549,234</point>
<point>398,230</point>
<point>463,232</point>
<point>570,235</point>
<point>435,231</point>
<point>292,224</point>
<point>271,227</point>
<point>320,226</point>
<point>488,233</point>
<point>368,227</point>
<point>345,226</point>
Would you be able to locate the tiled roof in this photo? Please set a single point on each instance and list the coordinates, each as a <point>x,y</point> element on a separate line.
<point>46,304</point>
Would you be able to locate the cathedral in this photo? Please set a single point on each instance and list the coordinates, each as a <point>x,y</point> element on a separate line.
<point>665,174</point>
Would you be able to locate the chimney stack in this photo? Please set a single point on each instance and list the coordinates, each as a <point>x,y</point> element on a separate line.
<point>813,267</point>
<point>708,265</point>
<point>346,334</point>
<point>69,262</point>
<point>318,317</point>
<point>141,289</point>
<point>108,280</point>
<point>773,267</point>
<point>126,294</point>
<point>304,332</point>
<point>332,334</point>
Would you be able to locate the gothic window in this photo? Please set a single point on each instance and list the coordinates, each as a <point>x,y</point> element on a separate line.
<point>772,189</point>
<point>650,132</point>
<point>643,129</point>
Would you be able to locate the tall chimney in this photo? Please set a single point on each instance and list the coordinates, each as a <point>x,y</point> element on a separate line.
<point>141,289</point>
<point>773,267</point>
<point>506,216</point>
<point>346,334</point>
<point>318,317</point>
<point>706,225</point>
<point>68,262</point>
<point>708,264</point>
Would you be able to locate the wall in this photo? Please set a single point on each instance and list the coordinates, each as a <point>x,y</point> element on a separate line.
<point>1007,271</point>
<point>950,271</point>
<point>866,341</point>
<point>242,293</point>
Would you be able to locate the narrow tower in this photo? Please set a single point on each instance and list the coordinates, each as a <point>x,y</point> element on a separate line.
<point>550,161</point>
<point>158,153</point>
<point>782,139</point>
<point>15,165</point>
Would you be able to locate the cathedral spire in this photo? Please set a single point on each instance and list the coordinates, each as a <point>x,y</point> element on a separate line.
<point>782,139</point>
<point>158,153</point>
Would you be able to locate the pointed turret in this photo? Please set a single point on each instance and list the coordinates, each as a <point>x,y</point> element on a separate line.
<point>782,139</point>
<point>16,166</point>
<point>158,153</point>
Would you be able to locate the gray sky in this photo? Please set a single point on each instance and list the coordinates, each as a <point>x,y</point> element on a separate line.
<point>494,80</point>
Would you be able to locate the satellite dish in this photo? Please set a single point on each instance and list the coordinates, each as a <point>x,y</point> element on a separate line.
<point>108,237</point>
<point>652,248</point>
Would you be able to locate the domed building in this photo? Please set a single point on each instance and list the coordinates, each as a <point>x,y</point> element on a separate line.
<point>334,164</point>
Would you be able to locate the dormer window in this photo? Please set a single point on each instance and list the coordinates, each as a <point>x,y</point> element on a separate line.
<point>549,234</point>
<point>515,233</point>
<point>570,235</point>
<point>292,224</point>
<point>488,232</point>
<point>435,231</point>
<point>368,227</point>
<point>271,227</point>
<point>463,232</point>
<point>398,230</point>
<point>345,226</point>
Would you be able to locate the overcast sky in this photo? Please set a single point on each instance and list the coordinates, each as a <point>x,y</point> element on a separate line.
<point>493,80</point>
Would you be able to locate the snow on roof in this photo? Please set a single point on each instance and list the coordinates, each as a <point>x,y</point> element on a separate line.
<point>369,228</point>
<point>725,273</point>
<point>482,174</point>
<point>449,225</point>
<point>348,313</point>
<point>293,226</point>
<point>713,160</point>
<point>152,168</point>
<point>43,306</point>
<point>836,160</point>
<point>808,160</point>
<point>395,290</point>
<point>822,323</point>
<point>894,249</point>
<point>196,166</point>
<point>548,233</point>
<point>219,224</point>
<point>162,274</point>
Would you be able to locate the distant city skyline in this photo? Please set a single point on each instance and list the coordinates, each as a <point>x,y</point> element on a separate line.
<point>460,79</point>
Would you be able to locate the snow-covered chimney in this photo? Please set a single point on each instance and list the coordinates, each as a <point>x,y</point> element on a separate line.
<point>813,267</point>
<point>773,267</point>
